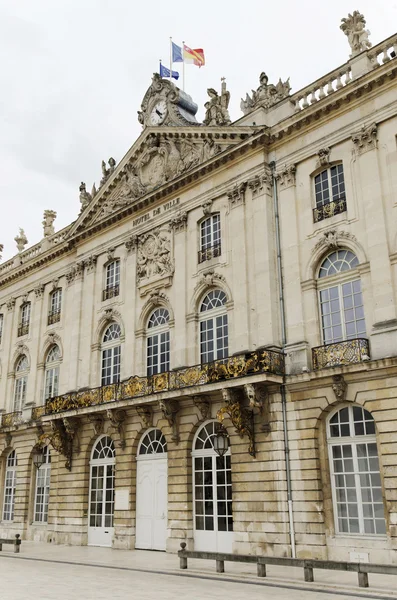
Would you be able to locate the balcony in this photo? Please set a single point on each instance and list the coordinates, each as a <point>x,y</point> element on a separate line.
<point>54,317</point>
<point>210,252</point>
<point>37,412</point>
<point>11,419</point>
<point>23,329</point>
<point>329,210</point>
<point>111,292</point>
<point>242,365</point>
<point>340,353</point>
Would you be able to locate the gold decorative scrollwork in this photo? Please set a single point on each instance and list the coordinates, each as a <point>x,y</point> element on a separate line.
<point>241,417</point>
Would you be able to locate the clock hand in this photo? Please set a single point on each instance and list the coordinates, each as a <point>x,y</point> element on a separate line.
<point>160,114</point>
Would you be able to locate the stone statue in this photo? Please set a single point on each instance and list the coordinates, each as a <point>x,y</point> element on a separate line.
<point>1,250</point>
<point>339,387</point>
<point>106,173</point>
<point>353,26</point>
<point>21,240</point>
<point>85,197</point>
<point>216,109</point>
<point>266,95</point>
<point>48,222</point>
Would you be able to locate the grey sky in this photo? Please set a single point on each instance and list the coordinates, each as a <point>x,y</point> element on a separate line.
<point>73,74</point>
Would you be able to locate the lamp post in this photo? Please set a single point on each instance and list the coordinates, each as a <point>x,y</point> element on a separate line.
<point>38,459</point>
<point>221,441</point>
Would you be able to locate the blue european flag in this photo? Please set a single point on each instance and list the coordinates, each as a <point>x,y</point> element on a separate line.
<point>176,53</point>
<point>164,72</point>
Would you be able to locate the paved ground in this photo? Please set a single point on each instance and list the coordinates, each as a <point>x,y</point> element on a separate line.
<point>46,572</point>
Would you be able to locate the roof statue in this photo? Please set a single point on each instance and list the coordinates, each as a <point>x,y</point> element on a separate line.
<point>21,240</point>
<point>48,222</point>
<point>353,26</point>
<point>106,173</point>
<point>266,95</point>
<point>216,109</point>
<point>1,250</point>
<point>85,197</point>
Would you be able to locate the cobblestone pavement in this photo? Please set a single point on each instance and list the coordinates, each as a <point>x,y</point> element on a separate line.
<point>46,572</point>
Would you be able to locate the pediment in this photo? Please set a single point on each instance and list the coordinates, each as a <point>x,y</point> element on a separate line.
<point>155,160</point>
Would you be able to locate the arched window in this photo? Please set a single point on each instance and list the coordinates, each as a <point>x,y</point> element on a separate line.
<point>356,483</point>
<point>112,280</point>
<point>212,483</point>
<point>21,381</point>
<point>341,302</point>
<point>153,442</point>
<point>42,493</point>
<point>51,384</point>
<point>214,343</point>
<point>10,481</point>
<point>54,313</point>
<point>23,328</point>
<point>111,355</point>
<point>158,342</point>
<point>210,238</point>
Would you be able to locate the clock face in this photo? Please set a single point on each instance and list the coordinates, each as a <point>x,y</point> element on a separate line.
<point>158,113</point>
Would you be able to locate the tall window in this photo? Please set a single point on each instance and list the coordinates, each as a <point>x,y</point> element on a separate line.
<point>21,381</point>
<point>111,355</point>
<point>356,483</point>
<point>1,326</point>
<point>10,482</point>
<point>329,187</point>
<point>42,494</point>
<point>210,238</point>
<point>54,314</point>
<point>112,282</point>
<point>341,302</point>
<point>213,327</point>
<point>23,328</point>
<point>158,342</point>
<point>51,385</point>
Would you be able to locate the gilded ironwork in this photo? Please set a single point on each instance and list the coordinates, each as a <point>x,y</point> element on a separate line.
<point>111,292</point>
<point>54,317</point>
<point>329,210</point>
<point>210,252</point>
<point>37,412</point>
<point>23,330</point>
<point>340,353</point>
<point>11,419</point>
<point>241,417</point>
<point>61,437</point>
<point>260,361</point>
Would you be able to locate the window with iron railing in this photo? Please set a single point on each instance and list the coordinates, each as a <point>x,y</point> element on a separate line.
<point>23,328</point>
<point>112,281</point>
<point>210,238</point>
<point>330,193</point>
<point>54,314</point>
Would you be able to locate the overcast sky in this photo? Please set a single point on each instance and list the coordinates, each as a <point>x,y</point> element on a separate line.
<point>74,72</point>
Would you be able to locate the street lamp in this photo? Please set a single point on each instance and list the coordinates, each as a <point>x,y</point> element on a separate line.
<point>221,441</point>
<point>38,459</point>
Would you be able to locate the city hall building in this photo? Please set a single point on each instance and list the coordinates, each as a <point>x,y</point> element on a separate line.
<point>208,353</point>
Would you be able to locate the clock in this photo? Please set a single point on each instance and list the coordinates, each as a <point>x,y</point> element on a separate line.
<point>158,113</point>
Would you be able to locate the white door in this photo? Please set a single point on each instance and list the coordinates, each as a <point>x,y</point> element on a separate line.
<point>101,500</point>
<point>151,495</point>
<point>212,493</point>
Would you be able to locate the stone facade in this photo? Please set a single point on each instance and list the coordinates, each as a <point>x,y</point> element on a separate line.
<point>260,177</point>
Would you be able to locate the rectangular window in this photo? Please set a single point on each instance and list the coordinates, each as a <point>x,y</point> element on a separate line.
<point>42,494</point>
<point>111,359</point>
<point>54,314</point>
<point>20,393</point>
<point>112,283</point>
<point>329,188</point>
<point>214,339</point>
<point>9,494</point>
<point>210,238</point>
<point>158,353</point>
<point>23,328</point>
<point>342,312</point>
<point>51,383</point>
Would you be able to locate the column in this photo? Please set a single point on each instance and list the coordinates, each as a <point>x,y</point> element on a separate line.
<point>178,333</point>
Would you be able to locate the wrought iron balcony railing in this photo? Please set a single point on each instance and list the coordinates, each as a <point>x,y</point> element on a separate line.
<point>23,329</point>
<point>37,412</point>
<point>110,292</point>
<point>329,210</point>
<point>340,353</point>
<point>260,361</point>
<point>208,253</point>
<point>11,419</point>
<point>54,317</point>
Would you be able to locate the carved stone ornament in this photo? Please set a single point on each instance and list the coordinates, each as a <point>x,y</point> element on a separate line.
<point>21,240</point>
<point>145,412</point>
<point>107,172</point>
<point>39,290</point>
<point>207,206</point>
<point>286,177</point>
<point>258,400</point>
<point>332,240</point>
<point>236,195</point>
<point>262,182</point>
<point>75,272</point>
<point>131,243</point>
<point>154,255</point>
<point>85,197</point>
<point>55,283</point>
<point>266,95</point>
<point>241,417</point>
<point>110,253</point>
<point>323,157</point>
<point>170,409</point>
<point>48,222</point>
<point>10,304</point>
<point>354,27</point>
<point>339,387</point>
<point>8,439</point>
<point>209,279</point>
<point>203,406</point>
<point>117,419</point>
<point>366,139</point>
<point>97,421</point>
<point>25,298</point>
<point>178,223</point>
<point>90,262</point>
<point>165,104</point>
<point>61,437</point>
<point>216,112</point>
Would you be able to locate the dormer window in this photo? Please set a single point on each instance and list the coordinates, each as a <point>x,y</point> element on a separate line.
<point>112,280</point>
<point>330,193</point>
<point>23,328</point>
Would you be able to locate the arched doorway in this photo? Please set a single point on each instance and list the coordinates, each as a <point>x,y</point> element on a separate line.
<point>151,494</point>
<point>101,500</point>
<point>212,493</point>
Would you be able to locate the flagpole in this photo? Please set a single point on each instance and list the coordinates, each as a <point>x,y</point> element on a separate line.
<point>170,58</point>
<point>183,66</point>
